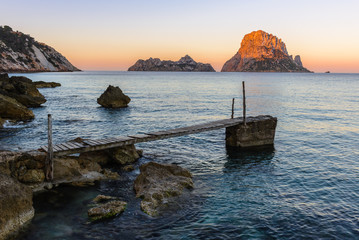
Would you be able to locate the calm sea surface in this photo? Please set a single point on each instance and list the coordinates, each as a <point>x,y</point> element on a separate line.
<point>306,188</point>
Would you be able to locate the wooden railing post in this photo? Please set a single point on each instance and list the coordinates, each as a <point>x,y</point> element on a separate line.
<point>244,103</point>
<point>49,158</point>
<point>232,108</point>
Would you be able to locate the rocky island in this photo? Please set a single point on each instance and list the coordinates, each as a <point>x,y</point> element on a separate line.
<point>21,53</point>
<point>263,52</point>
<point>185,64</point>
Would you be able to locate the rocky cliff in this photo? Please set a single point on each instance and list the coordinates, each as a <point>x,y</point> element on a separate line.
<point>263,52</point>
<point>21,53</point>
<point>185,64</point>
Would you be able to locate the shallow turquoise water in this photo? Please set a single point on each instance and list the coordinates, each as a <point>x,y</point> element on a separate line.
<point>305,188</point>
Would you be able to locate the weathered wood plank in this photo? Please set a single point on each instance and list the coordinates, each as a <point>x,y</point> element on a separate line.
<point>100,144</point>
<point>67,145</point>
<point>90,142</point>
<point>62,147</point>
<point>56,148</point>
<point>140,136</point>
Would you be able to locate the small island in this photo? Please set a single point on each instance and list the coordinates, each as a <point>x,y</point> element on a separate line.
<point>185,64</point>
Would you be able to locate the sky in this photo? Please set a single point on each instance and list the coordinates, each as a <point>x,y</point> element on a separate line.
<point>113,35</point>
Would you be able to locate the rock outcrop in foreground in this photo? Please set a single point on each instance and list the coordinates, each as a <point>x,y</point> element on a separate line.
<point>185,64</point>
<point>21,53</point>
<point>113,97</point>
<point>263,52</point>
<point>159,182</point>
<point>15,206</point>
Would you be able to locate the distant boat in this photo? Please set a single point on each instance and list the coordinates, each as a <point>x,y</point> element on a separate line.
<point>327,72</point>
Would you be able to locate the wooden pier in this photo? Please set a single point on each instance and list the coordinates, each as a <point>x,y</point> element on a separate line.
<point>88,145</point>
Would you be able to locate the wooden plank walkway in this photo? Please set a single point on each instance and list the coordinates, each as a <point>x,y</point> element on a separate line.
<point>88,145</point>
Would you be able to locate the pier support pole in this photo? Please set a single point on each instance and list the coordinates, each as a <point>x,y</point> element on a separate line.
<point>244,103</point>
<point>232,108</point>
<point>49,158</point>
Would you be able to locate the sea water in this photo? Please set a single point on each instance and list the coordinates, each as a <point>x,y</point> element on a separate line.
<point>307,187</point>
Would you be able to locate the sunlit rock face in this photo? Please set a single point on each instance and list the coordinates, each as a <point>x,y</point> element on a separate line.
<point>20,52</point>
<point>263,52</point>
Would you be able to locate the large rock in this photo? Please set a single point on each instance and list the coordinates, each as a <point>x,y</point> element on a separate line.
<point>185,64</point>
<point>263,52</point>
<point>22,89</point>
<point>21,53</point>
<point>113,97</point>
<point>124,155</point>
<point>106,207</point>
<point>15,206</point>
<point>12,109</point>
<point>158,182</point>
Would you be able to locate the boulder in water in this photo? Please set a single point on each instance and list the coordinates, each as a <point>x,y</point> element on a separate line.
<point>113,97</point>
<point>12,109</point>
<point>159,182</point>
<point>106,207</point>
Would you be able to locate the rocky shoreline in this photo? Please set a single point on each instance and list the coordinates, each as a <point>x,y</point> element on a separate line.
<point>22,174</point>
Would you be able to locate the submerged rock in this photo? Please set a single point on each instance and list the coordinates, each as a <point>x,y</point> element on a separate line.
<point>106,207</point>
<point>15,206</point>
<point>12,109</point>
<point>113,97</point>
<point>158,182</point>
<point>103,198</point>
<point>42,84</point>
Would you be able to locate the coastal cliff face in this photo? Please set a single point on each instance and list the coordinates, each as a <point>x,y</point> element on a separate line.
<point>263,52</point>
<point>185,64</point>
<point>21,53</point>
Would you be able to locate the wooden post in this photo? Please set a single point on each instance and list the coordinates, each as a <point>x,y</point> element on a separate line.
<point>232,108</point>
<point>244,103</point>
<point>49,159</point>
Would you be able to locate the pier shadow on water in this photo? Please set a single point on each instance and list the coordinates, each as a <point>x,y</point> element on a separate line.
<point>239,157</point>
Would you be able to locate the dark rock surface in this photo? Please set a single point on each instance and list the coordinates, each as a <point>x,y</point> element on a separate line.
<point>263,52</point>
<point>13,110</point>
<point>22,89</point>
<point>15,206</point>
<point>113,97</point>
<point>42,84</point>
<point>159,182</point>
<point>185,64</point>
<point>21,53</point>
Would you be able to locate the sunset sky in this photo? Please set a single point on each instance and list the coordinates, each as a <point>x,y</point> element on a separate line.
<point>112,35</point>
